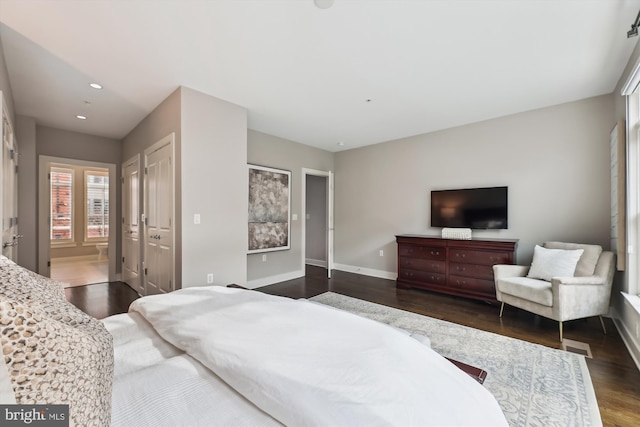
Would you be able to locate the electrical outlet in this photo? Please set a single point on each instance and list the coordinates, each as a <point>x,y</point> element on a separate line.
<point>381,252</point>
<point>264,258</point>
<point>196,218</point>
<point>210,278</point>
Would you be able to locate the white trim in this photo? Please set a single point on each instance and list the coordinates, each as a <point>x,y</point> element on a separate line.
<point>633,191</point>
<point>627,338</point>
<point>135,161</point>
<point>44,203</point>
<point>55,244</point>
<point>303,238</point>
<point>265,281</point>
<point>142,233</point>
<point>391,275</point>
<point>632,81</point>
<point>316,262</point>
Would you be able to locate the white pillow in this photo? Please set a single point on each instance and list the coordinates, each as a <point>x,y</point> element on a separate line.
<point>549,263</point>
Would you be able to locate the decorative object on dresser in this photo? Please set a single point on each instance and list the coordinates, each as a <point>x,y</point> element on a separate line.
<point>456,233</point>
<point>451,266</point>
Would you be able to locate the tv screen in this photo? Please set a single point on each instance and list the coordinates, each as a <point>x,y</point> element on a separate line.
<point>477,208</point>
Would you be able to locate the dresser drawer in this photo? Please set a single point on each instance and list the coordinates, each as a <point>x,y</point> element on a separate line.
<point>471,270</point>
<point>479,257</point>
<point>422,252</point>
<point>470,284</point>
<point>431,265</point>
<point>422,276</point>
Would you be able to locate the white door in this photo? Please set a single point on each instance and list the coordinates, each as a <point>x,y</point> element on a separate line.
<point>158,226</point>
<point>9,191</point>
<point>329,215</point>
<point>131,223</point>
<point>330,226</point>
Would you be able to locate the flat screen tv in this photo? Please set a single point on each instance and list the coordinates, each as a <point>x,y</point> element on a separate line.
<point>476,208</point>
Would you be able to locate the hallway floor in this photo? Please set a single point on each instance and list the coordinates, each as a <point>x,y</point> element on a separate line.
<point>79,271</point>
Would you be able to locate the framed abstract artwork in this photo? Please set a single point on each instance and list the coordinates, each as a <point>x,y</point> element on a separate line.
<point>269,209</point>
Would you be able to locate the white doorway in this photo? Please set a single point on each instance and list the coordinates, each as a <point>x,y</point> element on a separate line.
<point>317,219</point>
<point>131,223</point>
<point>95,197</point>
<point>9,210</point>
<point>159,191</point>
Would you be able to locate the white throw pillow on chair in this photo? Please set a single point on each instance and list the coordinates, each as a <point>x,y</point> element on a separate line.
<point>549,263</point>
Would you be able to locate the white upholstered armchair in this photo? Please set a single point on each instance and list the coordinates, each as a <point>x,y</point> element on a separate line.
<point>565,281</point>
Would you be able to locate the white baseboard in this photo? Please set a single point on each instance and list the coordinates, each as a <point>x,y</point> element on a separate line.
<point>366,271</point>
<point>627,338</point>
<point>265,281</point>
<point>316,262</point>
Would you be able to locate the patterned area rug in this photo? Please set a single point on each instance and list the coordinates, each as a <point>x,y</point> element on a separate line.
<point>534,385</point>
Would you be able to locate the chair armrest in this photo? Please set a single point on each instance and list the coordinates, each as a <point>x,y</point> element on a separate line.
<point>584,280</point>
<point>509,270</point>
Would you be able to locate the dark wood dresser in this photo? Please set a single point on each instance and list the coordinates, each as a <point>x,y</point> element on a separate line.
<point>456,267</point>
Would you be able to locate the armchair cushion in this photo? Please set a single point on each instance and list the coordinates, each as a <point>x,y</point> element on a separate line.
<point>535,290</point>
<point>550,263</point>
<point>587,263</point>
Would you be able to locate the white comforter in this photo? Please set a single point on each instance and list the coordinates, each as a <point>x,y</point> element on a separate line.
<point>307,364</point>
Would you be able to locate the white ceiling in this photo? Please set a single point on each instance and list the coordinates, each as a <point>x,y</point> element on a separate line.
<point>305,73</point>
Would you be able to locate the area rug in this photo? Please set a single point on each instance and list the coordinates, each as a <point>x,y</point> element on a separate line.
<point>534,385</point>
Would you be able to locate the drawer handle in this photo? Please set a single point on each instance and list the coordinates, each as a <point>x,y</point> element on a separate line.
<point>460,283</point>
<point>435,252</point>
<point>461,268</point>
<point>434,265</point>
<point>459,255</point>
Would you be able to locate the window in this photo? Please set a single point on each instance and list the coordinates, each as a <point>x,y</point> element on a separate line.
<point>633,190</point>
<point>61,218</point>
<point>97,205</point>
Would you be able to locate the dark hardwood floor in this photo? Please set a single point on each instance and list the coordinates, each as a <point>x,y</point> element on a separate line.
<point>615,377</point>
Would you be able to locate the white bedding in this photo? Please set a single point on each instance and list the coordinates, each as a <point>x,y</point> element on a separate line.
<point>156,384</point>
<point>302,363</point>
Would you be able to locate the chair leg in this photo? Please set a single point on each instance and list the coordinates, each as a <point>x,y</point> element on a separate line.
<point>602,323</point>
<point>501,308</point>
<point>560,323</point>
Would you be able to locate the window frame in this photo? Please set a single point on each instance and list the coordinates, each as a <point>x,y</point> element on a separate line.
<point>85,221</point>
<point>632,285</point>
<point>72,232</point>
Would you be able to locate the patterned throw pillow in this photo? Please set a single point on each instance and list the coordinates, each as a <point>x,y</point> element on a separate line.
<point>55,353</point>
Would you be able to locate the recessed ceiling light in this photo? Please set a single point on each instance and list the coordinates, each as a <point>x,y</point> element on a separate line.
<point>95,85</point>
<point>81,117</point>
<point>323,4</point>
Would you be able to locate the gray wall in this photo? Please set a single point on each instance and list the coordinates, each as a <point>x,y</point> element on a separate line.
<point>271,151</point>
<point>5,87</point>
<point>80,146</point>
<point>555,162</point>
<point>211,180</point>
<point>162,121</point>
<point>214,185</point>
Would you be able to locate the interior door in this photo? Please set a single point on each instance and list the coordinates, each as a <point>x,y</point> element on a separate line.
<point>131,224</point>
<point>158,227</point>
<point>10,234</point>
<point>330,225</point>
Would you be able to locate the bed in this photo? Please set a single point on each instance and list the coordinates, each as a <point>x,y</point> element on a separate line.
<point>221,356</point>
